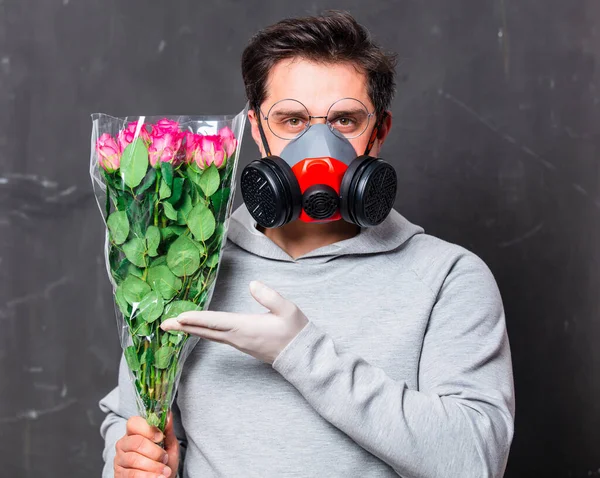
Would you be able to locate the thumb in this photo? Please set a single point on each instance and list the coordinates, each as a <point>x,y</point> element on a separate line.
<point>267,297</point>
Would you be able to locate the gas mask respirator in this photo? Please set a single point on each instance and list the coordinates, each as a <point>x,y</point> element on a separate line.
<point>318,178</point>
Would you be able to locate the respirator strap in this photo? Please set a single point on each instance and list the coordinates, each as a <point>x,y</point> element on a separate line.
<point>262,131</point>
<point>373,137</point>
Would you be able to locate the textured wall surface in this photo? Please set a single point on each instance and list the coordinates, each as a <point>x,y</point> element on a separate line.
<point>495,141</point>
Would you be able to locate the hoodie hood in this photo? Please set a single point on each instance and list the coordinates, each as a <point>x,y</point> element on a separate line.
<point>392,233</point>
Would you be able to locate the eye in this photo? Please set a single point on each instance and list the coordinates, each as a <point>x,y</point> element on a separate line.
<point>344,122</point>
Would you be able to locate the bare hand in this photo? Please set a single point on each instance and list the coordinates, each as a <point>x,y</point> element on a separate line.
<point>140,456</point>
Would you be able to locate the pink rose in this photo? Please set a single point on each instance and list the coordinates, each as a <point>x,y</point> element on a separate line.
<point>211,152</point>
<point>109,154</point>
<point>166,126</point>
<point>228,140</point>
<point>127,135</point>
<point>164,146</point>
<point>192,146</point>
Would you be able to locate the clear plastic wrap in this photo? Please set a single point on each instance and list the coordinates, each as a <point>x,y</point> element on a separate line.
<point>164,187</point>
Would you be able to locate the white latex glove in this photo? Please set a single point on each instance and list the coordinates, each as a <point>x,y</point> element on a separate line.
<point>263,336</point>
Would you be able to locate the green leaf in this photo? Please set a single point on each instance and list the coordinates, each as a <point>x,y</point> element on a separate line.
<point>164,339</point>
<point>202,298</point>
<point>153,420</point>
<point>134,271</point>
<point>134,289</point>
<point>184,210</point>
<point>215,241</point>
<point>201,222</point>
<point>157,261</point>
<point>177,189</point>
<point>147,182</point>
<point>168,232</point>
<point>196,288</point>
<point>170,211</point>
<point>194,173</point>
<point>183,257</point>
<point>140,214</point>
<point>213,260</point>
<point>112,180</point>
<point>164,191</point>
<point>147,357</point>
<point>220,198</point>
<point>118,225</point>
<point>164,281</point>
<point>167,173</point>
<point>152,240</point>
<point>124,202</point>
<point>117,270</point>
<point>210,180</point>
<point>163,357</point>
<point>134,162</point>
<point>135,251</point>
<point>132,358</point>
<point>122,302</point>
<point>143,329</point>
<point>175,337</point>
<point>152,306</point>
<point>173,309</point>
<point>201,248</point>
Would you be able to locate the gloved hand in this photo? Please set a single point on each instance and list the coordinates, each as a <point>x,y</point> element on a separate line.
<point>263,336</point>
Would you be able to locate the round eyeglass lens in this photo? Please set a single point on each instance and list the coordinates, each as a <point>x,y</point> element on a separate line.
<point>348,117</point>
<point>287,119</point>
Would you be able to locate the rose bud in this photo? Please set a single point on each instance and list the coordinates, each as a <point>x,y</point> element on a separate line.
<point>166,126</point>
<point>228,140</point>
<point>192,146</point>
<point>127,135</point>
<point>164,146</point>
<point>109,154</point>
<point>211,152</point>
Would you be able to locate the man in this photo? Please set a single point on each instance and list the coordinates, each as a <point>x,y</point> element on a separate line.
<point>382,352</point>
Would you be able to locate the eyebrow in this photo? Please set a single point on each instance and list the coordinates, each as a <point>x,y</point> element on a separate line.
<point>349,112</point>
<point>289,113</point>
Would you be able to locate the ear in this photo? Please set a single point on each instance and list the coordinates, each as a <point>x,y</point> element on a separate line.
<point>255,132</point>
<point>384,130</point>
<point>386,126</point>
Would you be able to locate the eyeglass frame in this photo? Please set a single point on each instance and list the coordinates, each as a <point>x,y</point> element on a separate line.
<point>310,117</point>
<point>370,144</point>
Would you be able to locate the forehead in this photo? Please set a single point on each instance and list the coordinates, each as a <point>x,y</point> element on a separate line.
<point>316,85</point>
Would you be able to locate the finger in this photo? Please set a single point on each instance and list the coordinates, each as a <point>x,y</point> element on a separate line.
<point>143,446</point>
<point>121,472</point>
<point>139,426</point>
<point>268,298</point>
<point>211,319</point>
<point>210,334</point>
<point>135,461</point>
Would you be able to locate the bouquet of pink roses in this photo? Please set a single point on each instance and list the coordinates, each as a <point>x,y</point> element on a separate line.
<point>164,189</point>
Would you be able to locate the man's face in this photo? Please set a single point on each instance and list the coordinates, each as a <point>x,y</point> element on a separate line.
<point>316,86</point>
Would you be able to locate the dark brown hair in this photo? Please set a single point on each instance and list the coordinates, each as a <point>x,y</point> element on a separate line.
<point>334,37</point>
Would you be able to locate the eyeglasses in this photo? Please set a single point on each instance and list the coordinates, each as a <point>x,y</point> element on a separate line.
<point>289,119</point>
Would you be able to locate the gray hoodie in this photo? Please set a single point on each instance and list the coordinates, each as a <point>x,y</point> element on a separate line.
<point>403,370</point>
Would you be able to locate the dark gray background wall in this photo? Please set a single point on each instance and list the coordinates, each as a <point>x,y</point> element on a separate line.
<point>495,142</point>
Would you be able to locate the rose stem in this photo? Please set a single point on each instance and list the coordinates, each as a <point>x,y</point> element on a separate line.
<point>157,202</point>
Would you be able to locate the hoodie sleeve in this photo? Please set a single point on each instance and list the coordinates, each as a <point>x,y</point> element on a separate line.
<point>120,405</point>
<point>460,420</point>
